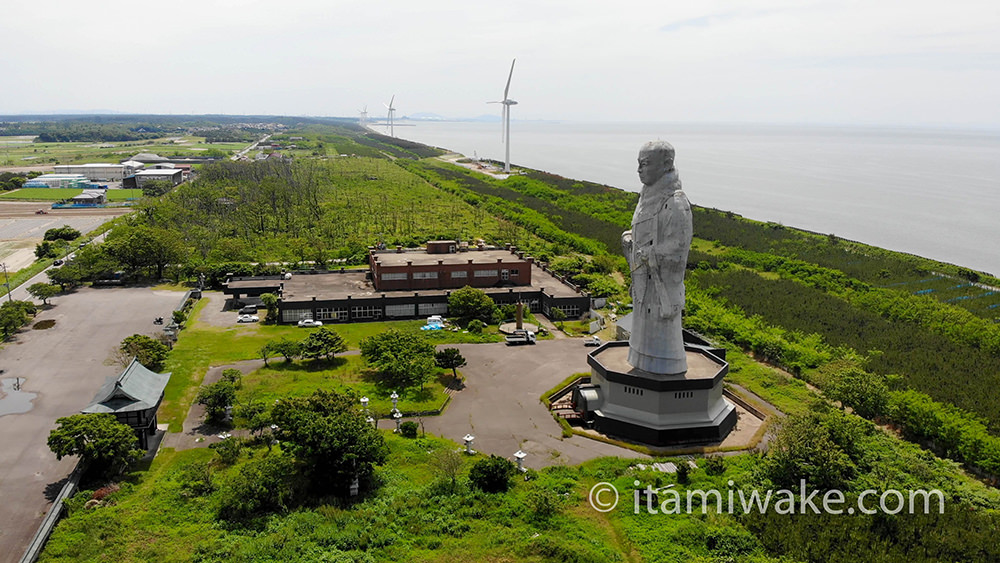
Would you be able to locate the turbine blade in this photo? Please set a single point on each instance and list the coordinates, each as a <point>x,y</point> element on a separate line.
<point>511,75</point>
<point>392,100</point>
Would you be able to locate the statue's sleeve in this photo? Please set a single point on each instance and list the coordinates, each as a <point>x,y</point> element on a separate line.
<point>674,234</point>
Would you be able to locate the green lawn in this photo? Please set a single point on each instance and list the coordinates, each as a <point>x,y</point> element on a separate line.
<point>59,194</point>
<point>201,346</point>
<point>347,373</point>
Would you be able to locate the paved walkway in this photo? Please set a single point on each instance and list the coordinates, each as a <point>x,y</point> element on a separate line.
<point>500,404</point>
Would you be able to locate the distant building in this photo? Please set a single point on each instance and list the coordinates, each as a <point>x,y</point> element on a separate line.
<point>58,181</point>
<point>131,166</point>
<point>444,264</point>
<point>91,197</point>
<point>133,398</point>
<point>141,177</point>
<point>352,295</point>
<point>94,171</point>
<point>149,158</point>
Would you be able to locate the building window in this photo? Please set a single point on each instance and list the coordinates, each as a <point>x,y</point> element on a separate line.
<point>407,310</point>
<point>513,273</point>
<point>432,308</point>
<point>425,275</point>
<point>486,273</point>
<point>684,394</point>
<point>459,274</point>
<point>366,312</point>
<point>505,275</point>
<point>394,276</point>
<point>331,314</point>
<point>571,311</point>
<point>295,315</point>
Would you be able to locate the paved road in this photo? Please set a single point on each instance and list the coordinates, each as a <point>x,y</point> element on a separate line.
<point>64,366</point>
<point>500,406</point>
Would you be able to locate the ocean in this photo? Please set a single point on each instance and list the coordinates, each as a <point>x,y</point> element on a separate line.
<point>934,193</point>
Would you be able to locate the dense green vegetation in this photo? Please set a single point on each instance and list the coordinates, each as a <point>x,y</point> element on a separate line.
<point>853,321</point>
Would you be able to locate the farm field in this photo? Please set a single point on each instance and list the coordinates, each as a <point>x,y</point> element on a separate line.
<point>59,194</point>
<point>20,151</point>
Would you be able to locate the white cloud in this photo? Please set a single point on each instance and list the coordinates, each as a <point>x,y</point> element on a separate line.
<point>862,61</point>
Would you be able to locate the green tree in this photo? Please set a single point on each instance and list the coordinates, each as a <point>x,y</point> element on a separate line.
<point>156,188</point>
<point>233,376</point>
<point>288,348</point>
<point>270,302</point>
<point>558,316</point>
<point>12,318</point>
<point>470,303</point>
<point>866,393</point>
<point>65,232</point>
<point>216,398</point>
<point>266,351</point>
<point>145,248</point>
<point>179,317</point>
<point>261,486</point>
<point>403,360</point>
<point>492,474</point>
<point>804,448</point>
<point>99,439</point>
<point>150,353</point>
<point>448,463</point>
<point>46,249</point>
<point>330,437</point>
<point>323,343</point>
<point>254,414</point>
<point>67,276</point>
<point>43,291</point>
<point>449,358</point>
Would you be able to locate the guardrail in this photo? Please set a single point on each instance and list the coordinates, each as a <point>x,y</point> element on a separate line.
<point>52,518</point>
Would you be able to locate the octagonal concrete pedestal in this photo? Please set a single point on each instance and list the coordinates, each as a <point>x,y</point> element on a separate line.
<point>656,409</point>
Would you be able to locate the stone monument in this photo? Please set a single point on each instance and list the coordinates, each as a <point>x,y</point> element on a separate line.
<point>657,388</point>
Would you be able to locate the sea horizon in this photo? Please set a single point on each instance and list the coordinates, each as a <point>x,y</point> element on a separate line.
<point>930,192</point>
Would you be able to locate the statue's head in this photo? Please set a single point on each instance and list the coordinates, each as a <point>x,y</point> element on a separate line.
<point>656,158</point>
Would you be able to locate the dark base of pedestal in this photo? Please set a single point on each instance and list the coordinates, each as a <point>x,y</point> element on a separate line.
<point>669,437</point>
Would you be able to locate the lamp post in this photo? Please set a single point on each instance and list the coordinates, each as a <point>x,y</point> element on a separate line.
<point>519,456</point>
<point>398,417</point>
<point>468,444</point>
<point>395,399</point>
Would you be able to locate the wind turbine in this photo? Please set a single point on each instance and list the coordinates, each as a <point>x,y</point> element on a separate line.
<point>392,110</point>
<point>364,116</point>
<point>505,119</point>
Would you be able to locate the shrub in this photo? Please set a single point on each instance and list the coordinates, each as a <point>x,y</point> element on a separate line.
<point>683,473</point>
<point>408,429</point>
<point>714,465</point>
<point>476,326</point>
<point>492,474</point>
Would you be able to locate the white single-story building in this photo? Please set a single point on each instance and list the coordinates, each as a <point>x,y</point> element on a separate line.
<point>94,171</point>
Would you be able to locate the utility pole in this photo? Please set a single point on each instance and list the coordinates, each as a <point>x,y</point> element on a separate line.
<point>6,281</point>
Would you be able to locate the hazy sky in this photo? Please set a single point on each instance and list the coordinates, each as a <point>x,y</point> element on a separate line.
<point>919,62</point>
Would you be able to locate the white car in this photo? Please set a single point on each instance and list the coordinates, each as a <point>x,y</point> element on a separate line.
<point>247,319</point>
<point>308,323</point>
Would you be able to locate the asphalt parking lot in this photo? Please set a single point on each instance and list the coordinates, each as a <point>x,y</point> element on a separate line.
<point>500,404</point>
<point>65,366</point>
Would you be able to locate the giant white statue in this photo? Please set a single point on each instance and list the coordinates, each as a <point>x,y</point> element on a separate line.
<point>657,249</point>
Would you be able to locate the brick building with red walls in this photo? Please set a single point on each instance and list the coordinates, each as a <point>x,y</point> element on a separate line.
<point>447,265</point>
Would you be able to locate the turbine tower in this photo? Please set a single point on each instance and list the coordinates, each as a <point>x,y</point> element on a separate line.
<point>392,110</point>
<point>505,119</point>
<point>364,116</point>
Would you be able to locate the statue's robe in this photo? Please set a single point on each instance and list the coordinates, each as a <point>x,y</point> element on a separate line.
<point>657,254</point>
